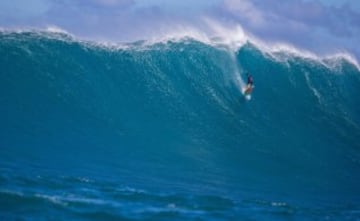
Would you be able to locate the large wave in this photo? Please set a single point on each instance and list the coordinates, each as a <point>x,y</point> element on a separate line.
<point>172,112</point>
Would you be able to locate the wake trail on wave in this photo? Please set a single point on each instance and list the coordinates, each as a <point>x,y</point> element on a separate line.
<point>238,80</point>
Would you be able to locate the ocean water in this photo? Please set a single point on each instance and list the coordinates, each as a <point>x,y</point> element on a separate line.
<point>161,131</point>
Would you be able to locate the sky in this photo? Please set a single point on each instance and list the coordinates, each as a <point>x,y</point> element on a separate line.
<point>321,26</point>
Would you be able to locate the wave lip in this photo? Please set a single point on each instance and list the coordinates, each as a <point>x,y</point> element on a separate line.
<point>215,34</point>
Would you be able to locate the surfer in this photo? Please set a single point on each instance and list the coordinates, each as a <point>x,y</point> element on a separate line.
<point>250,80</point>
<point>250,84</point>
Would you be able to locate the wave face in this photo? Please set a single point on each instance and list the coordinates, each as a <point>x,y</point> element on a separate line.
<point>161,131</point>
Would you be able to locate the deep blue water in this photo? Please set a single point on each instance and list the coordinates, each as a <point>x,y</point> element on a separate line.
<point>162,132</point>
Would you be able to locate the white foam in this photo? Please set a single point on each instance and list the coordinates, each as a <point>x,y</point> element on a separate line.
<point>178,33</point>
<point>11,192</point>
<point>131,190</point>
<point>53,199</point>
<point>278,50</point>
<point>58,33</point>
<point>312,88</point>
<point>335,58</point>
<point>231,36</point>
<point>279,204</point>
<point>66,199</point>
<point>212,33</point>
<point>56,29</point>
<point>84,179</point>
<point>48,29</point>
<point>234,37</point>
<point>236,76</point>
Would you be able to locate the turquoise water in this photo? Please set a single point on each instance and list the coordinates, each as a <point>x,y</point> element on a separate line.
<point>161,131</point>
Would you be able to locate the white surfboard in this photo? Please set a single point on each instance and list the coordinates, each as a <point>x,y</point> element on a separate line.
<point>247,92</point>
